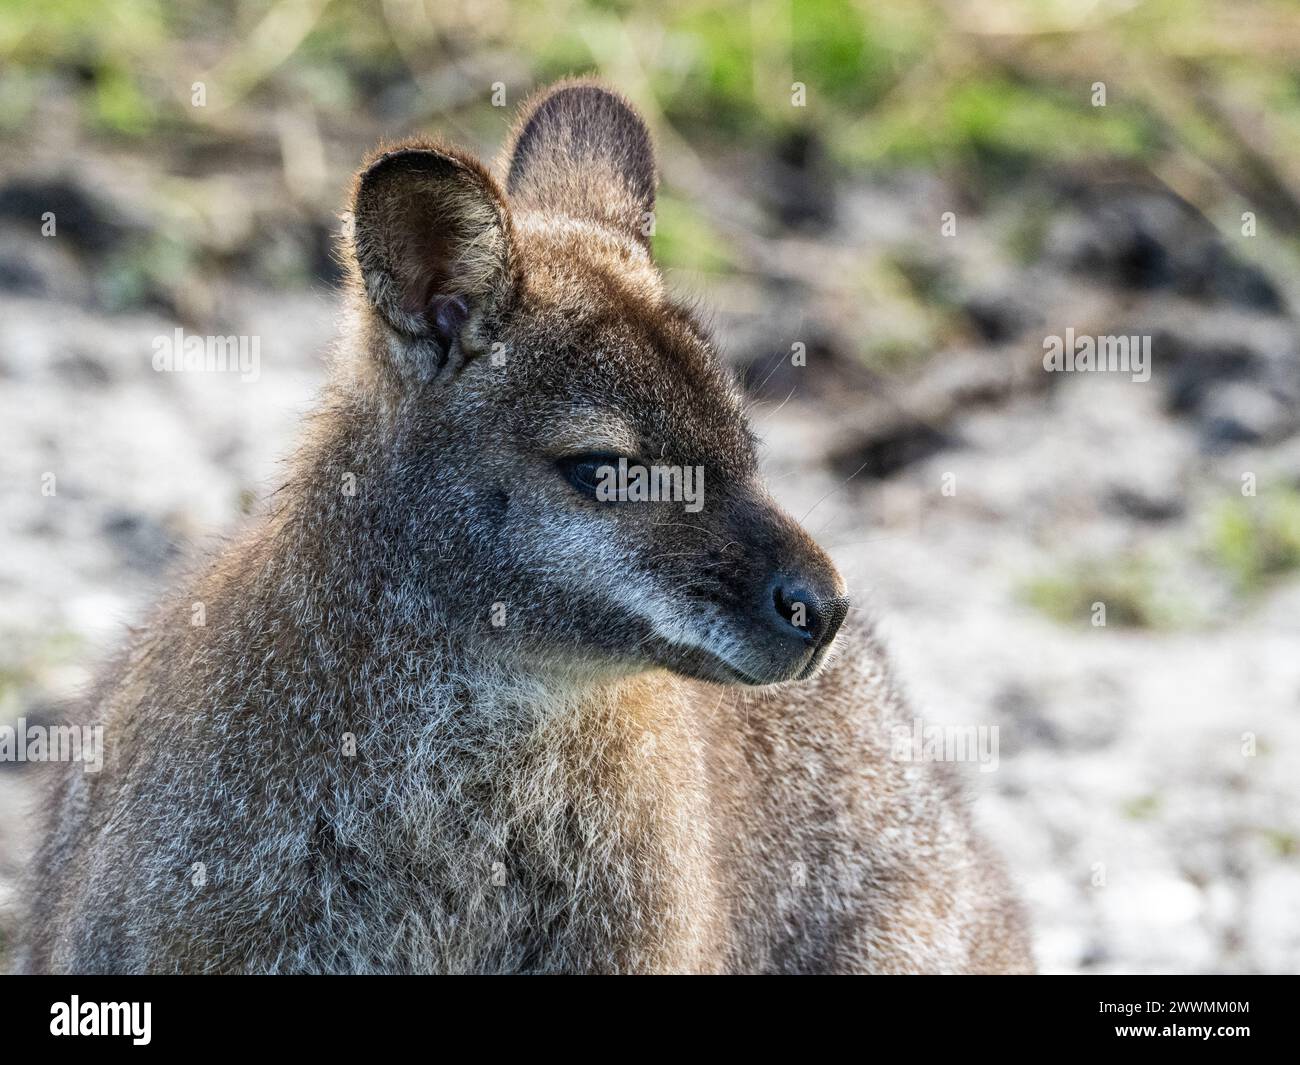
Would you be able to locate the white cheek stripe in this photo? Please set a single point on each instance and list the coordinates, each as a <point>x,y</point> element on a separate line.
<point>640,596</point>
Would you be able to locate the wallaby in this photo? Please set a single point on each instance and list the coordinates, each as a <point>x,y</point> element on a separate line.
<point>455,706</point>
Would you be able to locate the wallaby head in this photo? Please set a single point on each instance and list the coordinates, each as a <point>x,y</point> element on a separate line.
<point>510,345</point>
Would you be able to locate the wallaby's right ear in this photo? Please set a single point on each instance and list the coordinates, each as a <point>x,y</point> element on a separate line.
<point>431,239</point>
<point>581,150</point>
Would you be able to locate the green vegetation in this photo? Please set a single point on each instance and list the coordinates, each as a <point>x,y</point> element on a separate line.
<point>27,661</point>
<point>1142,807</point>
<point>1247,543</point>
<point>997,123</point>
<point>146,268</point>
<point>1282,843</point>
<point>1257,538</point>
<point>886,83</point>
<point>1133,588</point>
<point>685,240</point>
<point>990,93</point>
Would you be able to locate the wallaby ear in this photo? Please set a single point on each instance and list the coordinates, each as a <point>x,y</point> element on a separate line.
<point>580,149</point>
<point>431,238</point>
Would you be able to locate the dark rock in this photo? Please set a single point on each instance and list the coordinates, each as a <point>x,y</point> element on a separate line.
<point>287,249</point>
<point>1239,413</point>
<point>141,541</point>
<point>79,217</point>
<point>324,263</point>
<point>890,448</point>
<point>797,185</point>
<point>828,370</point>
<point>1030,725</point>
<point>19,277</point>
<point>81,368</point>
<point>997,317</point>
<point>1191,369</point>
<point>1145,505</point>
<point>1148,239</point>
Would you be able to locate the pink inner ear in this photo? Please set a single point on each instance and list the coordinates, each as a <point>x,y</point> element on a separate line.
<point>424,268</point>
<point>418,214</point>
<point>448,314</point>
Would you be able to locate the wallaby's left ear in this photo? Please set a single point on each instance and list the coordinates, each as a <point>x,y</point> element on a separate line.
<point>580,149</point>
<point>431,237</point>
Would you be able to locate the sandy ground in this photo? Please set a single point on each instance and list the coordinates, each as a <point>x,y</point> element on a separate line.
<point>1141,836</point>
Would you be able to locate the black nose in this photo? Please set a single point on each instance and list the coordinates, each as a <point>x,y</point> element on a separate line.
<point>799,611</point>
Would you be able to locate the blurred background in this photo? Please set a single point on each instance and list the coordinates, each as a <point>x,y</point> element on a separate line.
<point>954,183</point>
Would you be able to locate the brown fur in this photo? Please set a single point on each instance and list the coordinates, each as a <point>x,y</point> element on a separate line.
<point>583,787</point>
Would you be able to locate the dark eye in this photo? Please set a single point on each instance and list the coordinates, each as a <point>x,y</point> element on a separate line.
<point>587,473</point>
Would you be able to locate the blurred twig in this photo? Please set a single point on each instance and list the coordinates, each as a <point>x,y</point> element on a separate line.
<point>272,41</point>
